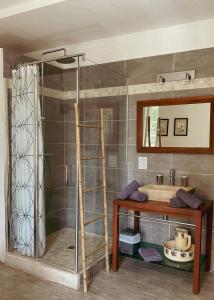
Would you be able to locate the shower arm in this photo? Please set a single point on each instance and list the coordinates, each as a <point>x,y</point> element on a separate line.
<point>53,51</point>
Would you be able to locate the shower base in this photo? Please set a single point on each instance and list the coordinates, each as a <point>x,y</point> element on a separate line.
<point>60,249</point>
<point>58,262</point>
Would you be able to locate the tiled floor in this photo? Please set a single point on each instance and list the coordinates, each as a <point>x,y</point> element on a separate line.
<point>61,251</point>
<point>134,281</point>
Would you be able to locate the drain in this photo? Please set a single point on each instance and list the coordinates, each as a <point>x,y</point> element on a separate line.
<point>71,247</point>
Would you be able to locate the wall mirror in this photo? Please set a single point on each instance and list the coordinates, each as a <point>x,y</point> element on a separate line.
<point>179,125</point>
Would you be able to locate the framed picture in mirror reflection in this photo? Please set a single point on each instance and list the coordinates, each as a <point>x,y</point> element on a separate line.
<point>180,126</point>
<point>164,127</point>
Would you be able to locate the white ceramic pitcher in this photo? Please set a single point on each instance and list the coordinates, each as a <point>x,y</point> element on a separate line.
<point>182,239</point>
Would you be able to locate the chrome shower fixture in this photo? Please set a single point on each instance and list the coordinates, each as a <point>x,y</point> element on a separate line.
<point>188,76</point>
<point>65,60</point>
<point>53,51</point>
<point>176,76</point>
<point>161,79</point>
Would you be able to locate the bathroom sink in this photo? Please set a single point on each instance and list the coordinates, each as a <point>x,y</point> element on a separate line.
<point>162,192</point>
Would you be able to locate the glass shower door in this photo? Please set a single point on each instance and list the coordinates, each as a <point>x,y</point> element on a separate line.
<point>58,98</point>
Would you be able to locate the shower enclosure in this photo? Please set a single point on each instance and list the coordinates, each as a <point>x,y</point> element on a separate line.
<point>43,204</point>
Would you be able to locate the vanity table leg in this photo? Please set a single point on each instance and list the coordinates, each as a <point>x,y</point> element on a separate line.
<point>197,254</point>
<point>209,238</point>
<point>115,238</point>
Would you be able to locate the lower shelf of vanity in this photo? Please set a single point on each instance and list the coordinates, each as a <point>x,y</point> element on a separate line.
<point>185,266</point>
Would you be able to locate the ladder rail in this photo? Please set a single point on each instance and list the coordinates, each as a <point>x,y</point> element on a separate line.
<point>104,216</point>
<point>81,205</point>
<point>104,190</point>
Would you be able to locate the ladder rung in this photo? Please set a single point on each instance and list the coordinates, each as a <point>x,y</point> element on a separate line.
<point>90,126</point>
<point>93,189</point>
<point>90,158</point>
<point>96,250</point>
<point>94,220</point>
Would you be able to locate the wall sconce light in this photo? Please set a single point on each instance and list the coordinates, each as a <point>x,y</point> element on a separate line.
<point>186,75</point>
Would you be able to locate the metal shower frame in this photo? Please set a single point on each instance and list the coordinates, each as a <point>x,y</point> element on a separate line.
<point>41,62</point>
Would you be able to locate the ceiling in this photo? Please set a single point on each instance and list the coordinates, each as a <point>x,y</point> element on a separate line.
<point>30,25</point>
<point>8,3</point>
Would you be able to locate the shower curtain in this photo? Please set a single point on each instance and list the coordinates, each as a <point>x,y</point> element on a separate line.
<point>25,92</point>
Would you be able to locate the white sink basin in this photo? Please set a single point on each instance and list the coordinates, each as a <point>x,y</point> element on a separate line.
<point>162,192</point>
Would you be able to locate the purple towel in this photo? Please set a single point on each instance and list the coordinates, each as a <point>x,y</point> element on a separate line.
<point>177,202</point>
<point>128,190</point>
<point>138,196</point>
<point>189,199</point>
<point>200,196</point>
<point>150,254</point>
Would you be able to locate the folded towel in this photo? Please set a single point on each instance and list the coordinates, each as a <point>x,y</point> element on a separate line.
<point>129,239</point>
<point>189,199</point>
<point>150,254</point>
<point>177,202</point>
<point>200,196</point>
<point>128,190</point>
<point>138,196</point>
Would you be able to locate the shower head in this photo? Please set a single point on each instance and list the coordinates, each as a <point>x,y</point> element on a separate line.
<point>65,60</point>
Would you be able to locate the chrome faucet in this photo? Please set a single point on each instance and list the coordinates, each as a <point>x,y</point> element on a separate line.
<point>172,177</point>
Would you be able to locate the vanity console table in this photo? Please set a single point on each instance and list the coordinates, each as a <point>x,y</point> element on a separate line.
<point>165,209</point>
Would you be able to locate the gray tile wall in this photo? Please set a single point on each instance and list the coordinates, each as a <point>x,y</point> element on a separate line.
<point>60,145</point>
<point>53,77</point>
<point>199,168</point>
<point>54,141</point>
<point>115,137</point>
<point>11,59</point>
<point>95,77</point>
<point>54,163</point>
<point>115,141</point>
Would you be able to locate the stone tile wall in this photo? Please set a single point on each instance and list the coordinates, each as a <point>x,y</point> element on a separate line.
<point>55,138</point>
<point>199,168</point>
<point>99,76</point>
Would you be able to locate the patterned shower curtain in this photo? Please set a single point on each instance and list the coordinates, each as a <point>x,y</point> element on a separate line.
<point>25,89</point>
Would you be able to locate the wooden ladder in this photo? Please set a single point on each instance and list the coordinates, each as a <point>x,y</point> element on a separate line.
<point>82,191</point>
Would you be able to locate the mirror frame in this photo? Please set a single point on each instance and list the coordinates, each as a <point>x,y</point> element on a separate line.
<point>174,101</point>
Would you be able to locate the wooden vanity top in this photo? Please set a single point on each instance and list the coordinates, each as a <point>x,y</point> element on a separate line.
<point>163,207</point>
